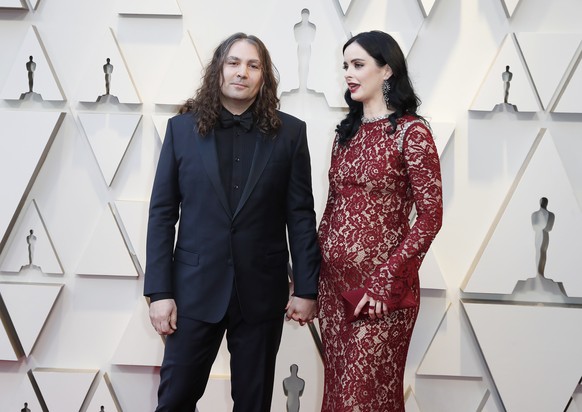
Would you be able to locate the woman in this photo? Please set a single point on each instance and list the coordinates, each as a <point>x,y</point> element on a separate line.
<point>384,162</point>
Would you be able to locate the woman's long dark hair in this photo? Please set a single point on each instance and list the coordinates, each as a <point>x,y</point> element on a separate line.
<point>206,104</point>
<point>384,50</point>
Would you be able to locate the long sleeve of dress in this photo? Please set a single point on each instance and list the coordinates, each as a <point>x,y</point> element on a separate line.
<point>423,170</point>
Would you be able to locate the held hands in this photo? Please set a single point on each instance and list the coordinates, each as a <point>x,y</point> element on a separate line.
<point>301,310</point>
<point>377,309</point>
<point>163,315</point>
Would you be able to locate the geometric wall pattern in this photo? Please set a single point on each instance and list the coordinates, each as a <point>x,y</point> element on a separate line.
<point>19,254</point>
<point>492,335</point>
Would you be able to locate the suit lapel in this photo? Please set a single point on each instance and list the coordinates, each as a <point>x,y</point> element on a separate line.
<point>207,149</point>
<point>263,150</point>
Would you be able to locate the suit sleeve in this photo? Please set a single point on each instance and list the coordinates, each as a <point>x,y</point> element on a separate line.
<point>301,222</point>
<point>163,215</point>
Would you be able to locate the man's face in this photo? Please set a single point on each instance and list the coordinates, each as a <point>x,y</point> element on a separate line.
<point>242,77</point>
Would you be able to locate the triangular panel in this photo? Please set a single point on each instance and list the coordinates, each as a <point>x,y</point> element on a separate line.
<point>7,350</point>
<point>442,133</point>
<point>134,219</point>
<point>24,394</point>
<point>164,8</point>
<point>576,403</point>
<point>321,50</point>
<point>29,306</point>
<point>30,244</point>
<point>160,124</point>
<point>433,306</point>
<point>546,62</point>
<point>104,397</point>
<point>411,405</point>
<point>121,83</point>
<point>571,99</point>
<point>64,389</point>
<point>501,267</point>
<point>106,254</point>
<point>451,353</point>
<point>345,5</point>
<point>426,6</point>
<point>13,4</point>
<point>44,79</point>
<point>431,276</point>
<point>492,91</point>
<point>509,6</point>
<point>185,65</point>
<point>109,135</point>
<point>21,157</point>
<point>140,344</point>
<point>401,19</point>
<point>533,352</point>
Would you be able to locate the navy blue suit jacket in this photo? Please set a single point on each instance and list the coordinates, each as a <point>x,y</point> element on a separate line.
<point>215,249</point>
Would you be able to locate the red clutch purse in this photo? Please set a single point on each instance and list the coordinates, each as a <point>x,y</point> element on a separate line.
<point>351,298</point>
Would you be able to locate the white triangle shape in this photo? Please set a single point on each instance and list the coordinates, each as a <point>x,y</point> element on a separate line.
<point>426,6</point>
<point>7,351</point>
<point>345,5</point>
<point>571,99</point>
<point>24,394</point>
<point>400,19</point>
<point>109,135</point>
<point>164,8</point>
<point>517,343</point>
<point>442,133</point>
<point>405,40</point>
<point>509,6</point>
<point>121,84</point>
<point>133,219</point>
<point>411,405</point>
<point>17,252</point>
<point>491,91</point>
<point>160,124</point>
<point>451,352</point>
<point>29,306</point>
<point>322,59</point>
<point>432,309</point>
<point>22,155</point>
<point>576,404</point>
<point>64,389</point>
<point>104,397</point>
<point>546,62</point>
<point>140,345</point>
<point>13,4</point>
<point>501,267</point>
<point>106,253</point>
<point>34,3</point>
<point>431,276</point>
<point>185,65</point>
<point>45,81</point>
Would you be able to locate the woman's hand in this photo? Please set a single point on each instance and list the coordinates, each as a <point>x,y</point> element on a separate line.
<point>377,308</point>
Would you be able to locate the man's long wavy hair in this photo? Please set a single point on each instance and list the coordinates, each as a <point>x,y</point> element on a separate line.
<point>403,100</point>
<point>206,104</point>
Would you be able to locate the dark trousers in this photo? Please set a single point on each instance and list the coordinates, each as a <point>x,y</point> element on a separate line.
<point>191,350</point>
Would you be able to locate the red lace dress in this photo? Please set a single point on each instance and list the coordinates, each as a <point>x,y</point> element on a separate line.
<point>367,241</point>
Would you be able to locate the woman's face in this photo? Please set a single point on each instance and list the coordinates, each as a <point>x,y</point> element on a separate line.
<point>363,75</point>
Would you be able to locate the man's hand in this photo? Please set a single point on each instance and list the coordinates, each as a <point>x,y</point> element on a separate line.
<point>163,315</point>
<point>301,310</point>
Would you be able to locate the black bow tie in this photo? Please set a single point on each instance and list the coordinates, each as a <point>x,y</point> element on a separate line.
<point>245,120</point>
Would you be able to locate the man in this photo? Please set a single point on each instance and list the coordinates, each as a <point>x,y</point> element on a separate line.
<point>236,172</point>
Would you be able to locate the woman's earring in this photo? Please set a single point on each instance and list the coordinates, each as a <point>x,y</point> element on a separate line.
<point>385,91</point>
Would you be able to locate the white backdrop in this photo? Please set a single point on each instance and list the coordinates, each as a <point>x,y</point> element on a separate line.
<point>74,334</point>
